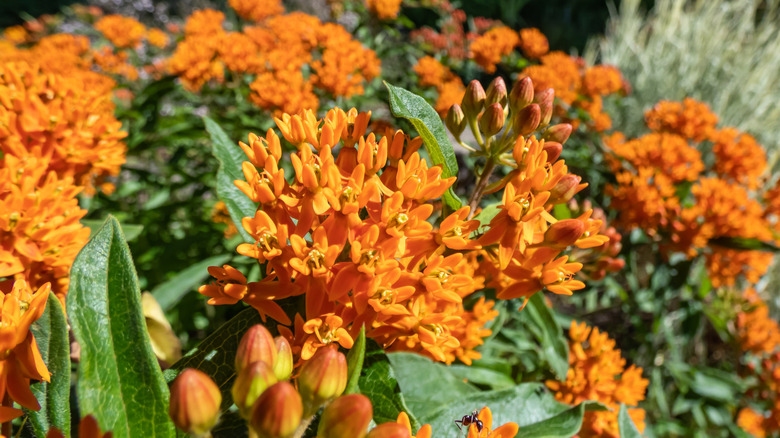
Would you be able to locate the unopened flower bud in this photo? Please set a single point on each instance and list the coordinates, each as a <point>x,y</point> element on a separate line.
<point>492,120</point>
<point>347,416</point>
<point>522,94</point>
<point>496,92</point>
<point>257,344</point>
<point>558,133</point>
<point>545,99</point>
<point>527,119</point>
<point>553,150</point>
<point>565,189</point>
<point>278,412</point>
<point>474,99</point>
<point>283,367</point>
<point>564,233</point>
<point>455,120</point>
<point>251,381</point>
<point>195,402</point>
<point>322,378</point>
<point>389,430</point>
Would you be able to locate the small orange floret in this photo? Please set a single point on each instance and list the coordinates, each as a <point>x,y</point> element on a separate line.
<point>488,49</point>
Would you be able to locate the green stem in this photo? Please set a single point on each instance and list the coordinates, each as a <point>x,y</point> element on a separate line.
<point>301,430</point>
<point>484,178</point>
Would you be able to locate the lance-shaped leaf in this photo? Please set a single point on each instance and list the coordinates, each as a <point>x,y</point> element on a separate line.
<point>51,334</point>
<point>626,425</point>
<point>428,124</point>
<point>549,334</point>
<point>170,292</point>
<point>378,383</point>
<point>355,359</point>
<point>230,157</point>
<point>119,380</point>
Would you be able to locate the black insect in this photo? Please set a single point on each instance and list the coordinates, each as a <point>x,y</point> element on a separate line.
<point>468,420</point>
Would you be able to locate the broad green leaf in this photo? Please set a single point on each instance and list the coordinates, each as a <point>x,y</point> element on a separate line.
<point>481,376</point>
<point>51,335</point>
<point>119,380</point>
<point>355,362</point>
<point>549,334</point>
<point>131,231</point>
<point>742,243</point>
<point>230,157</point>
<point>169,293</point>
<point>488,213</point>
<point>430,127</point>
<point>529,405</point>
<point>378,383</point>
<point>626,425</point>
<point>216,355</point>
<point>425,384</point>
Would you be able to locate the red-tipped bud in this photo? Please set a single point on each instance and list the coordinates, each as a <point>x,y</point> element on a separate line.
<point>195,402</point>
<point>278,412</point>
<point>558,133</point>
<point>566,188</point>
<point>496,92</point>
<point>389,430</point>
<point>322,378</point>
<point>257,344</point>
<point>564,233</point>
<point>553,150</point>
<point>474,99</point>
<point>527,119</point>
<point>545,99</point>
<point>347,416</point>
<point>455,120</point>
<point>250,383</point>
<point>283,367</point>
<point>522,94</point>
<point>492,120</point>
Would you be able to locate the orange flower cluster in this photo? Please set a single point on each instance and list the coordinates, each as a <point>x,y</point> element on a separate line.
<point>21,361</point>
<point>384,9</point>
<point>758,333</point>
<point>256,10</point>
<point>123,32</point>
<point>450,87</point>
<point>651,169</point>
<point>598,261</point>
<point>597,372</point>
<point>533,43</point>
<point>351,232</point>
<point>66,119</point>
<point>114,62</point>
<point>277,51</point>
<point>691,119</point>
<point>488,49</point>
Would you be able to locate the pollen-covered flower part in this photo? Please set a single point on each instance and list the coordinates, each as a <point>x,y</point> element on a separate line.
<point>598,372</point>
<point>350,229</point>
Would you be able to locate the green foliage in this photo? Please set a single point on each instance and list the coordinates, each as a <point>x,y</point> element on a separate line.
<point>169,293</point>
<point>119,380</point>
<point>378,383</point>
<point>51,334</point>
<point>355,358</point>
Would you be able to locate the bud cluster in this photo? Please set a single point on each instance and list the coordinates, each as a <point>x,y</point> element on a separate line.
<point>272,405</point>
<point>517,113</point>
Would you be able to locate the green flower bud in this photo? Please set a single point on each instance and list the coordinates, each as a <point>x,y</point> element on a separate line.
<point>322,378</point>
<point>283,367</point>
<point>521,95</point>
<point>527,119</point>
<point>474,99</point>
<point>558,133</point>
<point>389,430</point>
<point>496,92</point>
<point>257,344</point>
<point>492,120</point>
<point>250,384</point>
<point>455,120</point>
<point>546,99</point>
<point>566,188</point>
<point>564,233</point>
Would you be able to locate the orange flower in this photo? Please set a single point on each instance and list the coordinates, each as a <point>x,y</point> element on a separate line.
<point>424,432</point>
<point>256,10</point>
<point>507,430</point>
<point>384,9</point>
<point>558,71</point>
<point>533,43</point>
<point>123,32</point>
<point>752,422</point>
<point>21,360</point>
<point>488,49</point>
<point>601,80</point>
<point>157,38</point>
<point>758,333</point>
<point>220,215</point>
<point>430,72</point>
<point>725,265</point>
<point>738,156</point>
<point>597,372</point>
<point>665,153</point>
<point>322,333</point>
<point>691,119</point>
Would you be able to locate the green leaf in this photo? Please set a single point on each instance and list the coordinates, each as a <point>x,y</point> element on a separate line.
<point>745,244</point>
<point>355,362</point>
<point>378,383</point>
<point>119,380</point>
<point>131,231</point>
<point>529,405</point>
<point>481,376</point>
<point>51,335</point>
<point>488,213</point>
<point>230,157</point>
<point>549,334</point>
<point>169,293</point>
<point>216,355</point>
<point>626,425</point>
<point>428,124</point>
